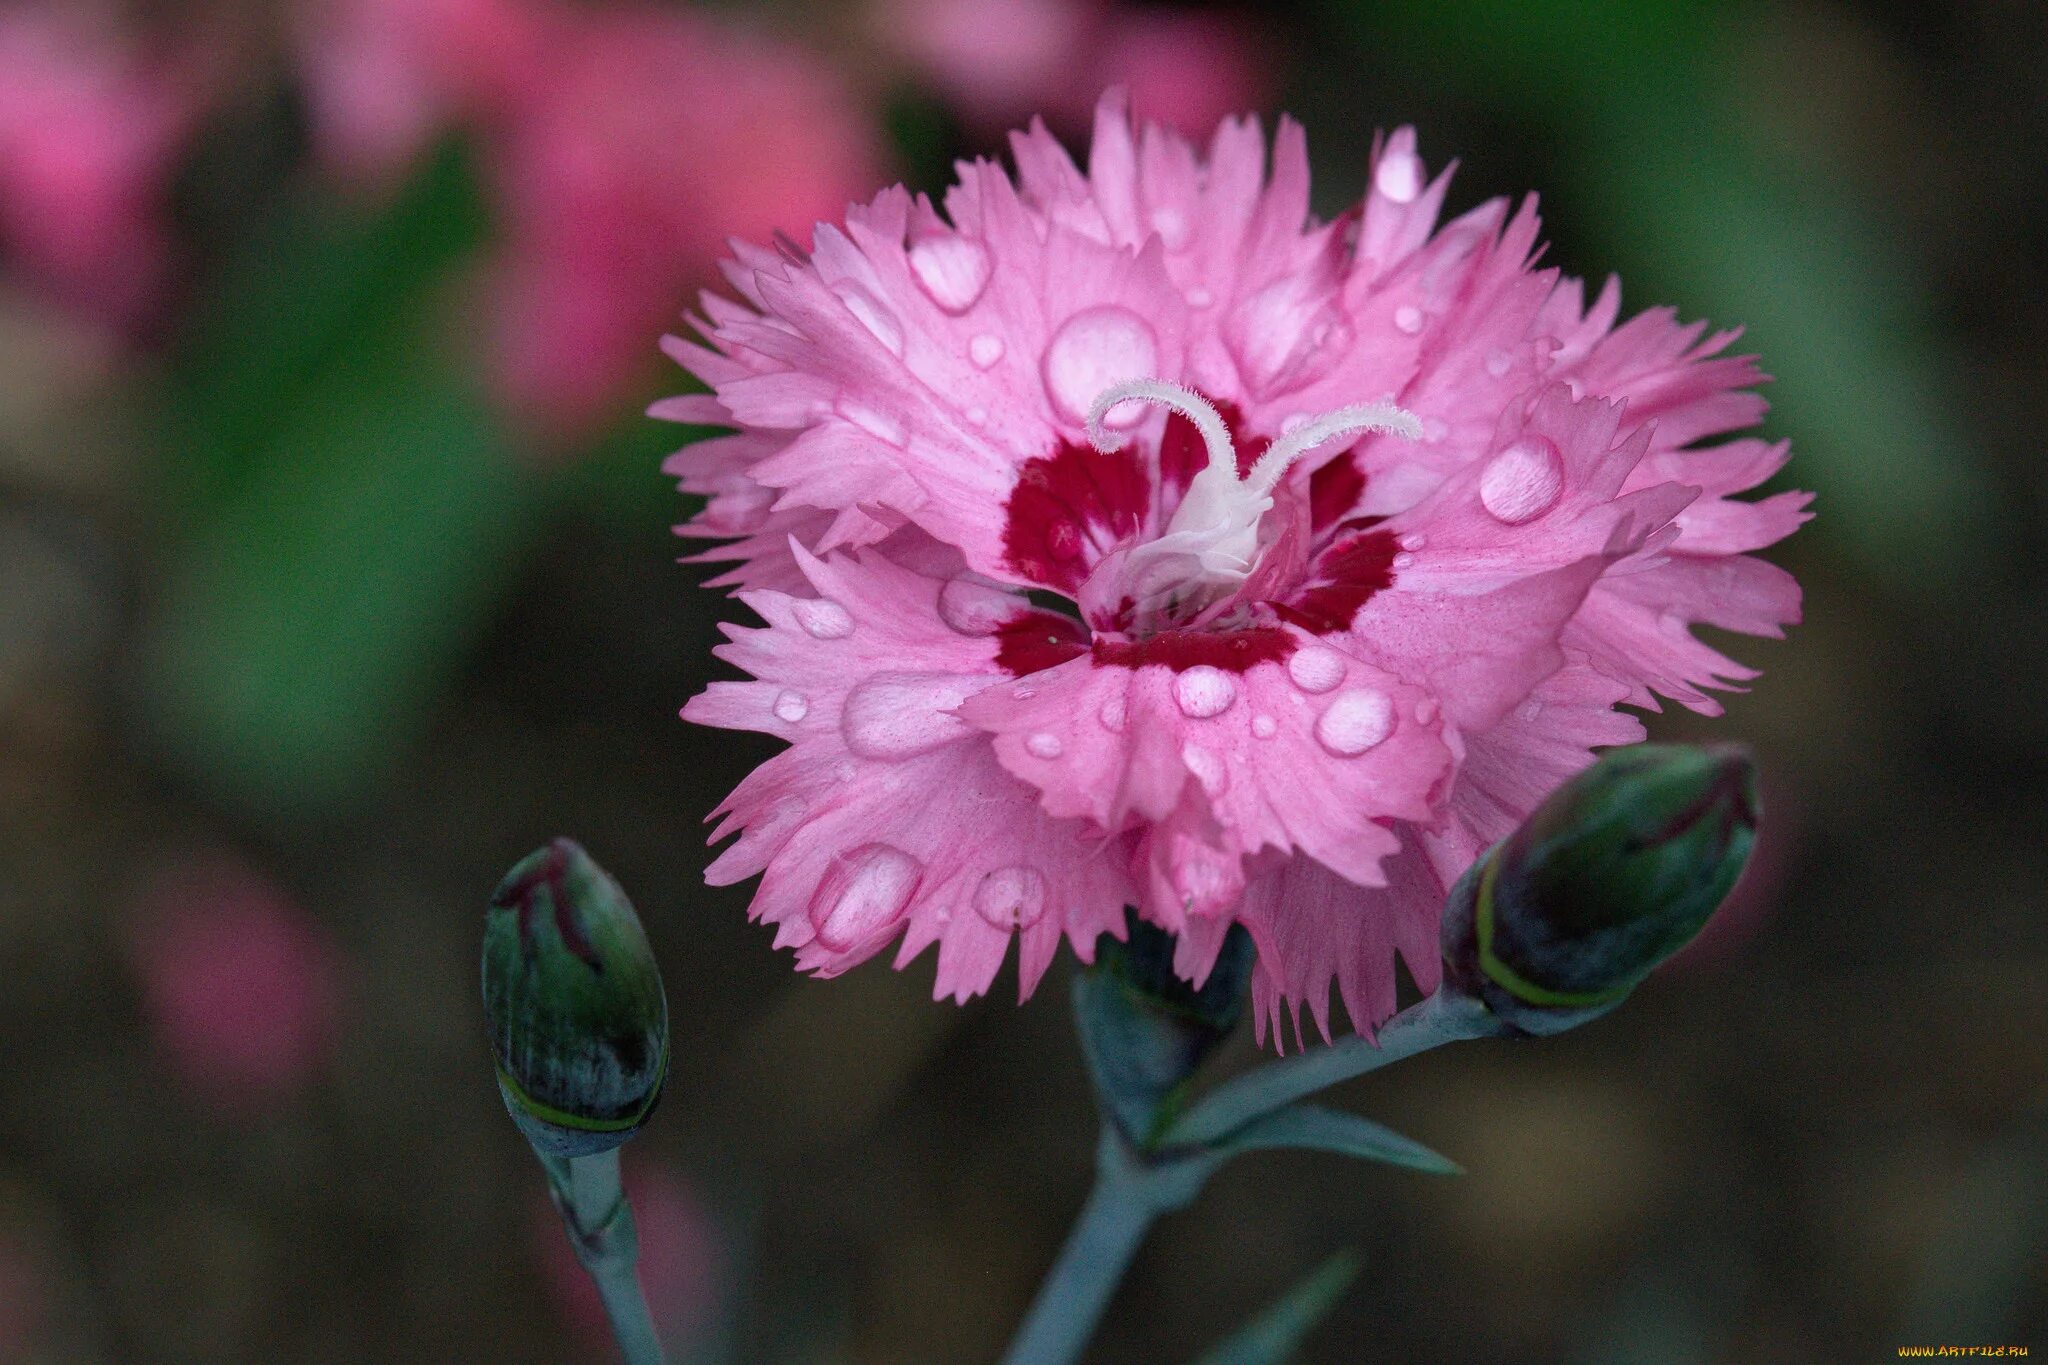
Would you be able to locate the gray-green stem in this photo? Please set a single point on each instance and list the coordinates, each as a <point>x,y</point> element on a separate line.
<point>600,1225</point>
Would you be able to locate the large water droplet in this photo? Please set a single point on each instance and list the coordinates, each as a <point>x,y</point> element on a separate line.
<point>1408,319</point>
<point>1399,176</point>
<point>822,618</point>
<point>1356,721</point>
<point>985,350</point>
<point>1265,727</point>
<point>1413,541</point>
<point>952,268</point>
<point>1112,715</point>
<point>865,893</point>
<point>1522,482</point>
<point>1011,897</point>
<point>901,715</point>
<point>1208,769</point>
<point>1315,669</point>
<point>1203,691</point>
<point>973,606</point>
<point>792,707</point>
<point>1094,350</point>
<point>1044,745</point>
<point>873,316</point>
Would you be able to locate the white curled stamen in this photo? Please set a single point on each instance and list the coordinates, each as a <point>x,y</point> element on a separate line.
<point>1356,420</point>
<point>1186,402</point>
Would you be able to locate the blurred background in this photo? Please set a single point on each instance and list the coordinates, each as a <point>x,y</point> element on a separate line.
<point>335,575</point>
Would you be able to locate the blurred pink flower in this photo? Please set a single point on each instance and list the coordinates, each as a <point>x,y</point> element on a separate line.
<point>90,134</point>
<point>1185,69</point>
<point>1311,653</point>
<point>655,137</point>
<point>997,61</point>
<point>384,77</point>
<point>238,982</point>
<point>682,1257</point>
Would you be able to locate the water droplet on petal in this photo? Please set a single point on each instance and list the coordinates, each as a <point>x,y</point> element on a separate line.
<point>873,316</point>
<point>900,715</point>
<point>1498,363</point>
<point>975,607</point>
<point>1208,769</point>
<point>865,892</point>
<point>1531,709</point>
<point>792,707</point>
<point>1203,691</point>
<point>1414,540</point>
<point>1112,715</point>
<point>1265,727</point>
<point>1044,745</point>
<point>1425,710</point>
<point>952,268</point>
<point>1011,897</point>
<point>978,415</point>
<point>1399,177</point>
<point>1673,624</point>
<point>1408,319</point>
<point>822,618</point>
<point>1355,722</point>
<point>1434,430</point>
<point>1315,669</point>
<point>1094,350</point>
<point>1523,481</point>
<point>985,350</point>
<point>1023,693</point>
<point>1404,560</point>
<point>1172,226</point>
<point>1199,297</point>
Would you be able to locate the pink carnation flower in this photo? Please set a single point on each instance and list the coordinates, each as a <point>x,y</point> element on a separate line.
<point>90,134</point>
<point>1342,543</point>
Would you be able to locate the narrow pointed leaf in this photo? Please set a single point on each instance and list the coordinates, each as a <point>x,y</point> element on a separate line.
<point>1308,1127</point>
<point>1276,1334</point>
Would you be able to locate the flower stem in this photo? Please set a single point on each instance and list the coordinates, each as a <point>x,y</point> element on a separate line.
<point>593,1206</point>
<point>1442,1018</point>
<point>1130,1192</point>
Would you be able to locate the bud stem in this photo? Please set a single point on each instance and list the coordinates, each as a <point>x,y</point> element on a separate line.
<point>593,1206</point>
<point>1445,1017</point>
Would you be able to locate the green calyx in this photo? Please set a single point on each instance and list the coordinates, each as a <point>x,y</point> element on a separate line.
<point>1617,870</point>
<point>578,1019</point>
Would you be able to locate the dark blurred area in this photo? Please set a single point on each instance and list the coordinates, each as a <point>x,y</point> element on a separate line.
<point>335,576</point>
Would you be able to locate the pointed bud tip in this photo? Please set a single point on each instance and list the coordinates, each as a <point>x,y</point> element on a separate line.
<point>578,1020</point>
<point>1617,870</point>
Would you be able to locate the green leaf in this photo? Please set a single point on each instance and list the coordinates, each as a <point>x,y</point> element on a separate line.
<point>1276,1334</point>
<point>1312,1128</point>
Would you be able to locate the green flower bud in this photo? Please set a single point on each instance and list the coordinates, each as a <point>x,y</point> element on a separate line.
<point>1617,870</point>
<point>1145,1030</point>
<point>574,1000</point>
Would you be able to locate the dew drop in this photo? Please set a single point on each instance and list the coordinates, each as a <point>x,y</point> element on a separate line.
<point>1523,481</point>
<point>1203,691</point>
<point>822,618</point>
<point>1425,710</point>
<point>1315,669</point>
<point>1199,297</point>
<point>972,606</point>
<point>1023,693</point>
<point>900,715</point>
<point>1172,226</point>
<point>1531,709</point>
<point>1356,721</point>
<point>1112,715</point>
<point>865,893</point>
<point>1094,350</point>
<point>1044,745</point>
<point>1673,624</point>
<point>1404,560</point>
<point>978,415</point>
<point>873,316</point>
<point>1207,768</point>
<point>1399,177</point>
<point>953,269</point>
<point>1498,363</point>
<point>1408,319</point>
<point>1265,727</point>
<point>1414,540</point>
<point>985,350</point>
<point>1011,897</point>
<point>792,707</point>
<point>1434,430</point>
